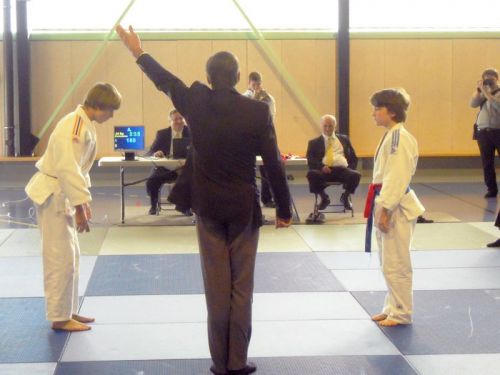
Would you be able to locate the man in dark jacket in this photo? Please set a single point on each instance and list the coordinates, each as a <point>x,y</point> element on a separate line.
<point>228,131</point>
<point>331,158</point>
<point>161,148</point>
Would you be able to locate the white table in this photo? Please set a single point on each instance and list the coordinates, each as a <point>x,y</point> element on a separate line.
<point>172,164</point>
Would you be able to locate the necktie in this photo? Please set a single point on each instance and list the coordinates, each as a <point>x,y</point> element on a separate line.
<point>329,152</point>
<point>178,135</point>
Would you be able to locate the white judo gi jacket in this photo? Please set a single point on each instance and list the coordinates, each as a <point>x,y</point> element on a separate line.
<point>394,166</point>
<point>65,165</point>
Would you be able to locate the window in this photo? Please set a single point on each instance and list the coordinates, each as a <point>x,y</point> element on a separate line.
<point>424,15</point>
<point>186,15</point>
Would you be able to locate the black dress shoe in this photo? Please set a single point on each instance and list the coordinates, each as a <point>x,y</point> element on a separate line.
<point>184,211</point>
<point>423,220</point>
<point>153,211</point>
<point>250,368</point>
<point>490,194</point>
<point>325,201</point>
<point>345,199</point>
<point>494,244</point>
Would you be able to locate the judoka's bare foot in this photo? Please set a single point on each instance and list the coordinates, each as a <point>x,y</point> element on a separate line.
<point>70,326</point>
<point>83,319</point>
<point>388,323</point>
<point>379,317</point>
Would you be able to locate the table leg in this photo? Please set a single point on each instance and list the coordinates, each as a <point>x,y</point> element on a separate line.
<point>295,213</point>
<point>122,193</point>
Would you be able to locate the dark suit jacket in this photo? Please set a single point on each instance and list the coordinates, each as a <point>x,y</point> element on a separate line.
<point>163,140</point>
<point>316,152</point>
<point>228,131</point>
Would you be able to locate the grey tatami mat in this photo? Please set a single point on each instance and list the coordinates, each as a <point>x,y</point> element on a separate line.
<point>293,272</point>
<point>445,322</point>
<point>25,335</point>
<point>22,242</point>
<point>146,274</point>
<point>339,365</point>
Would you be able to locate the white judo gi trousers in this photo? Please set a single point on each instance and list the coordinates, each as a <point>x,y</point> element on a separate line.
<point>395,261</point>
<point>61,257</point>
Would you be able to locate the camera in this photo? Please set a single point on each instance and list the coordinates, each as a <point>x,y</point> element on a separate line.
<point>488,82</point>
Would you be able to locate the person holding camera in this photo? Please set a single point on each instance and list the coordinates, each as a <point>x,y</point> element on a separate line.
<point>487,126</point>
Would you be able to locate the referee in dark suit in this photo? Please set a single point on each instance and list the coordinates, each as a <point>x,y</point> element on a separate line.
<point>228,131</point>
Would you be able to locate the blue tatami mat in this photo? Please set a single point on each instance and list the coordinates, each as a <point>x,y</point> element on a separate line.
<point>293,272</point>
<point>181,274</point>
<point>25,335</point>
<point>325,365</point>
<point>445,322</point>
<point>118,275</point>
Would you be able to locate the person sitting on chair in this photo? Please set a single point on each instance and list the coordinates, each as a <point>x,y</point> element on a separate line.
<point>331,158</point>
<point>161,148</point>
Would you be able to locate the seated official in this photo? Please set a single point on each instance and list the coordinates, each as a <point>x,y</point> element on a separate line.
<point>331,158</point>
<point>161,148</point>
<point>180,195</point>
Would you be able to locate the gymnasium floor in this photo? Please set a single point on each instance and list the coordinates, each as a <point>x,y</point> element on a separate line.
<point>315,290</point>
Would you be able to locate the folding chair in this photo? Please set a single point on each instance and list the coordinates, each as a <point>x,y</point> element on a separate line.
<point>318,216</point>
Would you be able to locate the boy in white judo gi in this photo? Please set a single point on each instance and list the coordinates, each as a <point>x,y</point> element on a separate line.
<point>396,206</point>
<point>60,191</point>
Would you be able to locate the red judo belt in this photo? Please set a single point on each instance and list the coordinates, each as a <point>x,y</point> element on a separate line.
<point>373,191</point>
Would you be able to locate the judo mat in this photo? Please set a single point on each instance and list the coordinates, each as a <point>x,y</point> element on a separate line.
<point>445,322</point>
<point>336,365</point>
<point>26,242</point>
<point>181,274</point>
<point>307,317</point>
<point>146,274</point>
<point>24,333</point>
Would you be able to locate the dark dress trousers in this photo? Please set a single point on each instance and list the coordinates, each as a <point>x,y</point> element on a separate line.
<point>162,175</point>
<point>228,131</point>
<point>349,177</point>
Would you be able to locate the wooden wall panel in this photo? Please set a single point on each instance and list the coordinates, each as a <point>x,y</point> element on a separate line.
<point>123,72</point>
<point>433,97</point>
<point>309,64</point>
<point>157,105</point>
<point>50,80</point>
<point>192,56</point>
<point>82,53</point>
<point>326,77</point>
<point>367,76</point>
<point>257,61</point>
<point>439,74</point>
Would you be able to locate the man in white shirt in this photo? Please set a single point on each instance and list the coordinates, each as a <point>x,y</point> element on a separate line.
<point>331,158</point>
<point>257,92</point>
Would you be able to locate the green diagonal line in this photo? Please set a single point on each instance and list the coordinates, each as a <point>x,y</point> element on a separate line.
<point>84,72</point>
<point>278,67</point>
